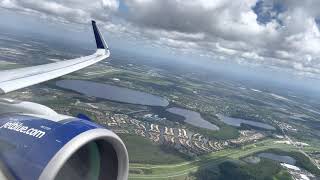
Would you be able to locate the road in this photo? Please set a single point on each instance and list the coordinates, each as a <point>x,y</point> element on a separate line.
<point>183,169</point>
<point>299,148</point>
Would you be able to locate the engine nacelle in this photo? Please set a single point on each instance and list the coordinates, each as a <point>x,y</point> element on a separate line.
<point>34,147</point>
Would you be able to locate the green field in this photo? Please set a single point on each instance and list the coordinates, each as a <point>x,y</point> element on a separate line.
<point>239,170</point>
<point>141,150</point>
<point>183,170</point>
<point>5,65</point>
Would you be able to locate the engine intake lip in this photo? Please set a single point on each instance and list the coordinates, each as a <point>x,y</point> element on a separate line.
<point>62,156</point>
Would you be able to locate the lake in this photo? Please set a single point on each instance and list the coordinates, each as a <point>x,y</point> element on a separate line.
<point>113,93</point>
<point>275,157</point>
<point>193,118</point>
<point>237,122</point>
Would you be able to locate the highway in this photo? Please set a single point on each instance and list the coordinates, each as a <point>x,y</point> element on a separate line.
<point>181,170</point>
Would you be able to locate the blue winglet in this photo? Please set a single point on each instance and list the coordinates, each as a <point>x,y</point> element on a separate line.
<point>101,43</point>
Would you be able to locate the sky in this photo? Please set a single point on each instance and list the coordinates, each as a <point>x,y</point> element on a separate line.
<point>278,34</point>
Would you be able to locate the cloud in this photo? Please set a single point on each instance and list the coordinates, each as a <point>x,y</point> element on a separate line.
<point>230,18</point>
<point>278,33</point>
<point>78,11</point>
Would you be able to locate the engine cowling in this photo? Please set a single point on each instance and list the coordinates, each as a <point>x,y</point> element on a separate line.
<point>34,147</point>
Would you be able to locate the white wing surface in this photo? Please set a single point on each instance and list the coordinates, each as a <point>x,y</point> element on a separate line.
<point>11,80</point>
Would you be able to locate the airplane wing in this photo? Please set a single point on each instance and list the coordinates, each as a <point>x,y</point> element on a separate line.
<point>11,80</point>
<point>75,147</point>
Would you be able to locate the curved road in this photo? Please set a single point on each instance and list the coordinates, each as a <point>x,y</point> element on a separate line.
<point>183,169</point>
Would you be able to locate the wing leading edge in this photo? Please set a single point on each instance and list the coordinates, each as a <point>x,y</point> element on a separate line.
<point>11,80</point>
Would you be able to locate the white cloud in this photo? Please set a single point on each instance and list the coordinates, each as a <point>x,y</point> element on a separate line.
<point>221,29</point>
<point>231,28</point>
<point>225,50</point>
<point>252,55</point>
<point>79,11</point>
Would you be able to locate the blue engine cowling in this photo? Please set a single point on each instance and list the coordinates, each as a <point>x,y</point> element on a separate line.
<point>37,148</point>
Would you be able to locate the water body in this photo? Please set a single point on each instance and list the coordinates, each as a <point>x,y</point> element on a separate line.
<point>275,157</point>
<point>237,122</point>
<point>113,93</point>
<point>193,118</point>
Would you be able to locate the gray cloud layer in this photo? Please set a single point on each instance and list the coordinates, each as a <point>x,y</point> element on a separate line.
<point>288,37</point>
<point>79,11</point>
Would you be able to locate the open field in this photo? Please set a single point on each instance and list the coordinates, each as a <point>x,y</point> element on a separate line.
<point>182,170</point>
<point>239,170</point>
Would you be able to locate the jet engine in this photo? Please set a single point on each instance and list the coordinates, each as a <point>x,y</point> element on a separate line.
<point>50,146</point>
